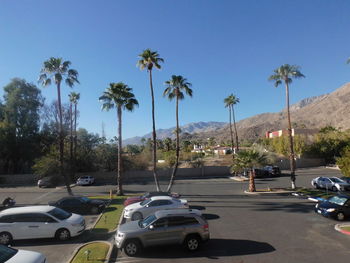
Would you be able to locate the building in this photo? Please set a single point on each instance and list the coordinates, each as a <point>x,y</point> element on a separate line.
<point>279,133</point>
<point>222,150</point>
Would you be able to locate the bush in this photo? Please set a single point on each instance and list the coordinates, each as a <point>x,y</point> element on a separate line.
<point>344,161</point>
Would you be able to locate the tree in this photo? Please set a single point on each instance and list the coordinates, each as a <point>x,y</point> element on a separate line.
<point>119,95</point>
<point>230,101</point>
<point>19,126</point>
<point>286,73</point>
<point>56,70</point>
<point>73,98</point>
<point>149,59</point>
<point>249,159</point>
<point>344,161</point>
<point>175,88</point>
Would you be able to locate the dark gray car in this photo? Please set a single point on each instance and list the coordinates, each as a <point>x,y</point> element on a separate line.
<point>165,227</point>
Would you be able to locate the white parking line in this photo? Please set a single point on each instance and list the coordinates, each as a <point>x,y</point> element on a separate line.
<point>127,260</point>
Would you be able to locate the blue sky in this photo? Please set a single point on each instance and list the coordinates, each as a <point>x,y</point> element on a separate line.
<point>221,47</point>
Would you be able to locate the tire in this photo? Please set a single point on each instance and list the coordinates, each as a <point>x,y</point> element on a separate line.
<point>132,247</point>
<point>62,234</point>
<point>340,216</point>
<point>5,238</point>
<point>334,189</point>
<point>136,216</point>
<point>192,243</point>
<point>316,186</point>
<point>94,210</point>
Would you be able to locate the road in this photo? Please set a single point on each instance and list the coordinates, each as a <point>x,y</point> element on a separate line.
<point>244,228</point>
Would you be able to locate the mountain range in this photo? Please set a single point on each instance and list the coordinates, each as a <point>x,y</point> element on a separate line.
<point>313,112</point>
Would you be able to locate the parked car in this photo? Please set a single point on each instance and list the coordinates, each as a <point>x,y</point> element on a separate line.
<point>85,180</point>
<point>80,205</point>
<point>337,207</point>
<point>260,173</point>
<point>11,255</point>
<point>50,181</point>
<point>331,183</point>
<point>149,206</point>
<point>165,227</point>
<point>346,179</point>
<point>136,199</point>
<point>39,222</point>
<point>273,170</point>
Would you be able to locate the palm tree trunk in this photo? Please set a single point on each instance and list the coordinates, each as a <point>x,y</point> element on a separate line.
<point>119,175</point>
<point>61,139</point>
<point>75,139</point>
<point>231,133</point>
<point>234,124</point>
<point>177,146</point>
<point>291,157</point>
<point>154,137</point>
<point>251,181</point>
<point>71,142</point>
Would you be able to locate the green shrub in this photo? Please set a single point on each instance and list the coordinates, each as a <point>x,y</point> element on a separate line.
<point>344,161</point>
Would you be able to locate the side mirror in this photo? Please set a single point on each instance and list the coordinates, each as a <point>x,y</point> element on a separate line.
<point>151,227</point>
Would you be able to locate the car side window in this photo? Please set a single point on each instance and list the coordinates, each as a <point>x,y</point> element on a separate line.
<point>190,221</point>
<point>71,202</point>
<point>162,222</point>
<point>176,221</point>
<point>154,203</point>
<point>347,203</point>
<point>7,219</point>
<point>165,202</point>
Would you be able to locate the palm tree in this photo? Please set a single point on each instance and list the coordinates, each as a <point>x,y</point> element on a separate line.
<point>56,70</point>
<point>249,159</point>
<point>229,102</point>
<point>176,87</point>
<point>286,73</point>
<point>149,59</point>
<point>73,98</point>
<point>119,95</point>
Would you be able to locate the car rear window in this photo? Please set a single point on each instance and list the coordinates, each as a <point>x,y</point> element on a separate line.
<point>6,253</point>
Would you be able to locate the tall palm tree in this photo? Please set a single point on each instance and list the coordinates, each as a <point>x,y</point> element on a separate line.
<point>149,59</point>
<point>286,73</point>
<point>176,87</point>
<point>230,101</point>
<point>56,70</point>
<point>249,159</point>
<point>73,99</point>
<point>119,95</point>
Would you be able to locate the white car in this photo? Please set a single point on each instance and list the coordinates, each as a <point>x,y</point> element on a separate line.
<point>143,209</point>
<point>39,222</point>
<point>11,255</point>
<point>330,183</point>
<point>85,180</point>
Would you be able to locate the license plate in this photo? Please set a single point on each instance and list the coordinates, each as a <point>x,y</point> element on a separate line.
<point>319,211</point>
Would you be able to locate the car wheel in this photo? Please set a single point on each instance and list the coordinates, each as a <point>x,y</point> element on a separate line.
<point>316,186</point>
<point>63,234</point>
<point>132,247</point>
<point>5,238</point>
<point>340,216</point>
<point>94,210</point>
<point>136,216</point>
<point>334,189</point>
<point>192,243</point>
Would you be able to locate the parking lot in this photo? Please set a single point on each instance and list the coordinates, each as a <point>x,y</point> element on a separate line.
<point>244,228</point>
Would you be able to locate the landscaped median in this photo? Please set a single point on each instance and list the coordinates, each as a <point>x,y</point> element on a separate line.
<point>314,194</point>
<point>343,228</point>
<point>100,251</point>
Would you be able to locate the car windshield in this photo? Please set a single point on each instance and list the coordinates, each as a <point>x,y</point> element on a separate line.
<point>145,202</point>
<point>336,180</point>
<point>337,200</point>
<point>59,213</point>
<point>147,221</point>
<point>6,253</point>
<point>83,178</point>
<point>144,196</point>
<point>85,199</point>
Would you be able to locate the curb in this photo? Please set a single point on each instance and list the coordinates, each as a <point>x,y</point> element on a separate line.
<point>239,179</point>
<point>338,228</point>
<point>97,241</point>
<point>267,193</point>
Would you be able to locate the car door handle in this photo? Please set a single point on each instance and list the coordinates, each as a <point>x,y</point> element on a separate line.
<point>33,226</point>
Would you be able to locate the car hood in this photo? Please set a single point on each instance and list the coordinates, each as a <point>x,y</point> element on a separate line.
<point>326,205</point>
<point>26,256</point>
<point>129,227</point>
<point>133,206</point>
<point>75,219</point>
<point>52,203</point>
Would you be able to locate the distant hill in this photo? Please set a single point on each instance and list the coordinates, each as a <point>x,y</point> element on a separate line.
<point>191,128</point>
<point>313,112</point>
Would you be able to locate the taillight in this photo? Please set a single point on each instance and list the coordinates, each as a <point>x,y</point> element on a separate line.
<point>206,227</point>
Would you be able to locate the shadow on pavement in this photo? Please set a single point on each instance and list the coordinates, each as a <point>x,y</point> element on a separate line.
<point>214,249</point>
<point>198,207</point>
<point>210,216</point>
<point>290,208</point>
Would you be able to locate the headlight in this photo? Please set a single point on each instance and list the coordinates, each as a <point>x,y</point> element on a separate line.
<point>120,235</point>
<point>330,210</point>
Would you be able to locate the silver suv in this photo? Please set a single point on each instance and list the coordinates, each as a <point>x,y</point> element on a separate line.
<point>165,227</point>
